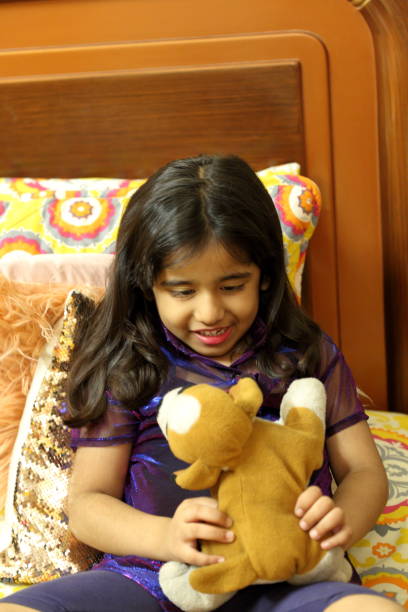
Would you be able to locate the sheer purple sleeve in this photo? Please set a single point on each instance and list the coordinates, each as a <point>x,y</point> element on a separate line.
<point>343,405</point>
<point>116,426</point>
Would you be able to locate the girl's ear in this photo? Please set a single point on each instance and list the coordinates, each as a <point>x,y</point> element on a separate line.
<point>265,282</point>
<point>149,295</point>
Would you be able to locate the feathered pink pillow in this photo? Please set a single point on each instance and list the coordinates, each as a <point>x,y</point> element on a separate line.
<point>27,315</point>
<point>28,312</point>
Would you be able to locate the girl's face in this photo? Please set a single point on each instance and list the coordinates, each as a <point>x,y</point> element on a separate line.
<point>209,301</point>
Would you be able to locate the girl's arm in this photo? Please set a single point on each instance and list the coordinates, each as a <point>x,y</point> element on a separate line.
<point>98,517</point>
<point>360,495</point>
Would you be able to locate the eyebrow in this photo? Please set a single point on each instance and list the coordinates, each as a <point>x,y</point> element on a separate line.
<point>176,282</point>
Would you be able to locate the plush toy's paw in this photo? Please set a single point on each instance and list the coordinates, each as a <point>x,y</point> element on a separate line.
<point>175,584</point>
<point>343,570</point>
<point>333,566</point>
<point>305,392</point>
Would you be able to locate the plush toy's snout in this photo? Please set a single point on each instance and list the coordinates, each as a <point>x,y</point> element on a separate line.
<point>178,412</point>
<point>225,418</point>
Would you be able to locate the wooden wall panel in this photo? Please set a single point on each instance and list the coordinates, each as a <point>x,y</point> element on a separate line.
<point>132,122</point>
<point>388,22</point>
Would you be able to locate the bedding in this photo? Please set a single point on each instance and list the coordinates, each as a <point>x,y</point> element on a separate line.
<point>69,269</point>
<point>27,316</point>
<point>35,541</point>
<point>40,216</point>
<point>381,558</point>
<point>28,312</point>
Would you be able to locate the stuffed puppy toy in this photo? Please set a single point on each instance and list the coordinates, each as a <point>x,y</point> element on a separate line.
<point>256,469</point>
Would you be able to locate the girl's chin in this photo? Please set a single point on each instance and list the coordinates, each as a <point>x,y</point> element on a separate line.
<point>221,354</point>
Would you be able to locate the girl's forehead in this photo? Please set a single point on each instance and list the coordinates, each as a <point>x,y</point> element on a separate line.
<point>214,255</point>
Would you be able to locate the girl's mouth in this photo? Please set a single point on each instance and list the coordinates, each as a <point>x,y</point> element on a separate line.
<point>213,336</point>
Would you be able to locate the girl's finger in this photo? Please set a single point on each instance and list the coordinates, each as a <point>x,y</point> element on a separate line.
<point>341,538</point>
<point>306,500</point>
<point>316,512</point>
<point>193,513</point>
<point>202,531</point>
<point>331,523</point>
<point>195,557</point>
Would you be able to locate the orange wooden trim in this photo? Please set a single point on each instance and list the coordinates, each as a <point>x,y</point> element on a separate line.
<point>388,22</point>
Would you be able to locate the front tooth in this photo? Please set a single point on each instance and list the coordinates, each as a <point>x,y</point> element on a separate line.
<point>218,332</point>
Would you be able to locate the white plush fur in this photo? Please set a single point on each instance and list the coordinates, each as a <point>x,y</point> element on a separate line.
<point>174,581</point>
<point>179,411</point>
<point>333,566</point>
<point>308,392</point>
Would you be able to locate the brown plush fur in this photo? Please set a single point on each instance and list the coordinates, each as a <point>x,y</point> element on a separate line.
<point>28,312</point>
<point>256,469</point>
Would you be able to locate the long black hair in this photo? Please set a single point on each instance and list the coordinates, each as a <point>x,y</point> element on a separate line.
<point>183,206</point>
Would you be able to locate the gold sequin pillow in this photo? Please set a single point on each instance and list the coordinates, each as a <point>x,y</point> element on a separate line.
<point>35,541</point>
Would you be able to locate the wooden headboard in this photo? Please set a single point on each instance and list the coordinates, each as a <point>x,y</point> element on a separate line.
<point>115,88</point>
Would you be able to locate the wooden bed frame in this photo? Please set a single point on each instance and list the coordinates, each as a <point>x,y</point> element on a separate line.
<point>115,88</point>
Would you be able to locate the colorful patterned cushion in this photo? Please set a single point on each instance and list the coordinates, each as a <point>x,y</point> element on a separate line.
<point>82,215</point>
<point>298,203</point>
<point>35,540</point>
<point>381,558</point>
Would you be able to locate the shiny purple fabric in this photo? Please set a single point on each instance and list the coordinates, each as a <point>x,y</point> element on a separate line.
<point>150,485</point>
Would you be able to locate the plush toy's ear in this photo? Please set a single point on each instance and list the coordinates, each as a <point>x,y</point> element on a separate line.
<point>197,476</point>
<point>247,395</point>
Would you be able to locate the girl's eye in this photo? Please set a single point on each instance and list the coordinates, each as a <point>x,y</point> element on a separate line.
<point>185,293</point>
<point>182,292</point>
<point>230,288</point>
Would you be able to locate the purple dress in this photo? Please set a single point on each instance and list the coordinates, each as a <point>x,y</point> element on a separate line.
<point>150,485</point>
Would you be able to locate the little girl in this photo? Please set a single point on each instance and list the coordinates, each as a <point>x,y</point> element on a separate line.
<point>199,293</point>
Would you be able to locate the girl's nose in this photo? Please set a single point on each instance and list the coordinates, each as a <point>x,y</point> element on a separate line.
<point>209,310</point>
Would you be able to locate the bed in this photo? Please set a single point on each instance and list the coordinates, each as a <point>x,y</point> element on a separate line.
<point>113,89</point>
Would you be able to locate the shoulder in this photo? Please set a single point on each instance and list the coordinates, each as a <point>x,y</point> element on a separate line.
<point>117,425</point>
<point>344,407</point>
<point>328,345</point>
<point>331,356</point>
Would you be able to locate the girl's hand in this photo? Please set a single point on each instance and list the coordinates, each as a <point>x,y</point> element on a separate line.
<point>324,521</point>
<point>196,519</point>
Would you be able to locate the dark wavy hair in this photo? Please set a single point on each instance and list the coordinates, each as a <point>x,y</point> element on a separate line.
<point>184,205</point>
